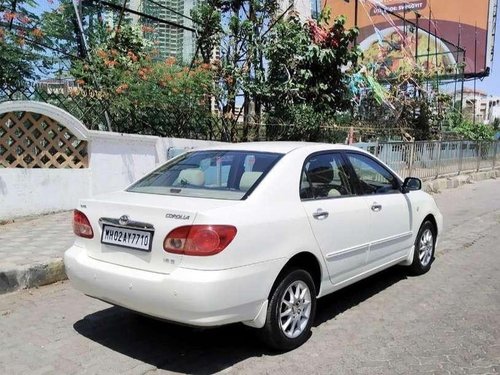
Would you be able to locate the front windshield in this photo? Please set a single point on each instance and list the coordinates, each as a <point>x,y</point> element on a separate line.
<point>209,174</point>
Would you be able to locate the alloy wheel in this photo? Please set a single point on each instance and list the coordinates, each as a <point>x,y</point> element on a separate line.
<point>295,309</point>
<point>426,247</point>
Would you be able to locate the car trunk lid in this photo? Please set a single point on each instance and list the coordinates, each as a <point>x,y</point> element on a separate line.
<point>129,228</point>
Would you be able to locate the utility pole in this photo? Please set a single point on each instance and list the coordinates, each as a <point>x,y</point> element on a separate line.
<point>456,60</point>
<point>356,4</point>
<point>475,71</point>
<point>417,15</point>
<point>78,26</point>
<point>428,46</point>
<point>417,18</point>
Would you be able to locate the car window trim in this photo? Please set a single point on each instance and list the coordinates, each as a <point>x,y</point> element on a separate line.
<point>326,152</point>
<point>263,175</point>
<point>278,155</point>
<point>357,180</point>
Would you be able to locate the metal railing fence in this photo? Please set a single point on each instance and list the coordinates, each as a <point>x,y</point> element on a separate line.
<point>433,159</point>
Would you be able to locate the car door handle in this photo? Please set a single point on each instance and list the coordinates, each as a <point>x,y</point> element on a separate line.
<point>320,214</point>
<point>376,207</point>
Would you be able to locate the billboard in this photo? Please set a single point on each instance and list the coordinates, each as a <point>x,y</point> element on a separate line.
<point>440,35</point>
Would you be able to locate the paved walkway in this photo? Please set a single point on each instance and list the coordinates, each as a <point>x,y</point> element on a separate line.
<point>31,250</point>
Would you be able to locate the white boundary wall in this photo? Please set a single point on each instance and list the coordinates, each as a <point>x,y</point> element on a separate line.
<point>115,161</point>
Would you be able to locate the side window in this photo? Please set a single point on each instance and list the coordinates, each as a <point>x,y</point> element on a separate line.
<point>325,176</point>
<point>373,177</point>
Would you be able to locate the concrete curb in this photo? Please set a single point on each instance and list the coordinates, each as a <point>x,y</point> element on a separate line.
<point>43,274</point>
<point>32,276</point>
<point>436,186</point>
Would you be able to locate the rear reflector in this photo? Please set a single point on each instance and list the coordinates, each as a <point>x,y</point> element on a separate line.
<point>81,225</point>
<point>199,240</point>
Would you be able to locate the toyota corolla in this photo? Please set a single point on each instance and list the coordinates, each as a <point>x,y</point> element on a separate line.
<point>252,233</point>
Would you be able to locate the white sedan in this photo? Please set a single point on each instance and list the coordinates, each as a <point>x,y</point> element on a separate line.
<point>252,233</point>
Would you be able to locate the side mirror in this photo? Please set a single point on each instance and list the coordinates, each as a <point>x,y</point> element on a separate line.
<point>411,183</point>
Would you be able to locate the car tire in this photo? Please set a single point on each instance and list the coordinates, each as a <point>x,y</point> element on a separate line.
<point>423,254</point>
<point>291,311</point>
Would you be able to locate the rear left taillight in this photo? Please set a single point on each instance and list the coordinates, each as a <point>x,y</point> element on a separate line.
<point>81,225</point>
<point>199,240</point>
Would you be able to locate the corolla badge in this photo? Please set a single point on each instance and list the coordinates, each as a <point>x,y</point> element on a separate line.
<point>123,220</point>
<point>177,216</point>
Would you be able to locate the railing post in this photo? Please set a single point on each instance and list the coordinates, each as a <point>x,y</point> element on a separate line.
<point>412,156</point>
<point>495,155</point>
<point>478,156</point>
<point>460,157</point>
<point>440,146</point>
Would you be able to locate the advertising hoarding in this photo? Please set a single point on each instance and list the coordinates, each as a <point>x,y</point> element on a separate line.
<point>440,34</point>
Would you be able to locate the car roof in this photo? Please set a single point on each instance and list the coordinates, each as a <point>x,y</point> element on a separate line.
<point>279,147</point>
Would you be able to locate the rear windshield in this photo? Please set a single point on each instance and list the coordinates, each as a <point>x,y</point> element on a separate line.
<point>209,174</point>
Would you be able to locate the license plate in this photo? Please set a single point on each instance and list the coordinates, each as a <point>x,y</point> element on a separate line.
<point>126,237</point>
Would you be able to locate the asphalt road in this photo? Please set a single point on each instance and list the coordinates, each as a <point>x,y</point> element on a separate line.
<point>447,321</point>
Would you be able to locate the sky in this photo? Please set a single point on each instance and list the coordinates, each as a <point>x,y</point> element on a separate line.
<point>491,84</point>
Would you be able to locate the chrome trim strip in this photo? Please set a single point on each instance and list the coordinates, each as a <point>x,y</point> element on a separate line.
<point>366,246</point>
<point>348,250</point>
<point>131,224</point>
<point>392,238</point>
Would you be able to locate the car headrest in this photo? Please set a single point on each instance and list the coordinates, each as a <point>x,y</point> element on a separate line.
<point>334,193</point>
<point>248,179</point>
<point>191,176</point>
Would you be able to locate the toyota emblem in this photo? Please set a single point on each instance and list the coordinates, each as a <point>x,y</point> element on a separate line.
<point>124,219</point>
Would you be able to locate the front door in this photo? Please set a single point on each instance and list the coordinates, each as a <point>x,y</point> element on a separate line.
<point>390,228</point>
<point>339,219</point>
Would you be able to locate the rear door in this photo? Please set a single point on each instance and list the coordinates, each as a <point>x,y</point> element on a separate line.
<point>390,227</point>
<point>339,219</point>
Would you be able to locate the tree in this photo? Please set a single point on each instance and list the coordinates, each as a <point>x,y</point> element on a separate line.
<point>496,124</point>
<point>474,132</point>
<point>309,66</point>
<point>143,95</point>
<point>236,31</point>
<point>270,58</point>
<point>21,59</point>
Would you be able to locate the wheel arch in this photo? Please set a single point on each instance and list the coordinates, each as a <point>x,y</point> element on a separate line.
<point>432,220</point>
<point>304,260</point>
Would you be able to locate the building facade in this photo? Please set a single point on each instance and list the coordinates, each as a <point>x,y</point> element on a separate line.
<point>305,9</point>
<point>172,41</point>
<point>485,109</point>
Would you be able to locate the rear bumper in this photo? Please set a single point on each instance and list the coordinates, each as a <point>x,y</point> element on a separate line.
<point>194,297</point>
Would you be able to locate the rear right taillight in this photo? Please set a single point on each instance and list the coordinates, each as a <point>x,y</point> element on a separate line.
<point>201,240</point>
<point>81,225</point>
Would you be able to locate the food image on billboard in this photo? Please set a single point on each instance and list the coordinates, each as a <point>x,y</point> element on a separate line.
<point>393,50</point>
<point>391,40</point>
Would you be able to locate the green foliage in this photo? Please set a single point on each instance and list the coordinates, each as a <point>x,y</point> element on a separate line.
<point>122,52</point>
<point>61,31</point>
<point>145,96</point>
<point>420,112</point>
<point>301,122</point>
<point>18,57</point>
<point>496,124</point>
<point>474,132</point>
<point>15,63</point>
<point>238,31</point>
<point>208,18</point>
<point>307,64</point>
